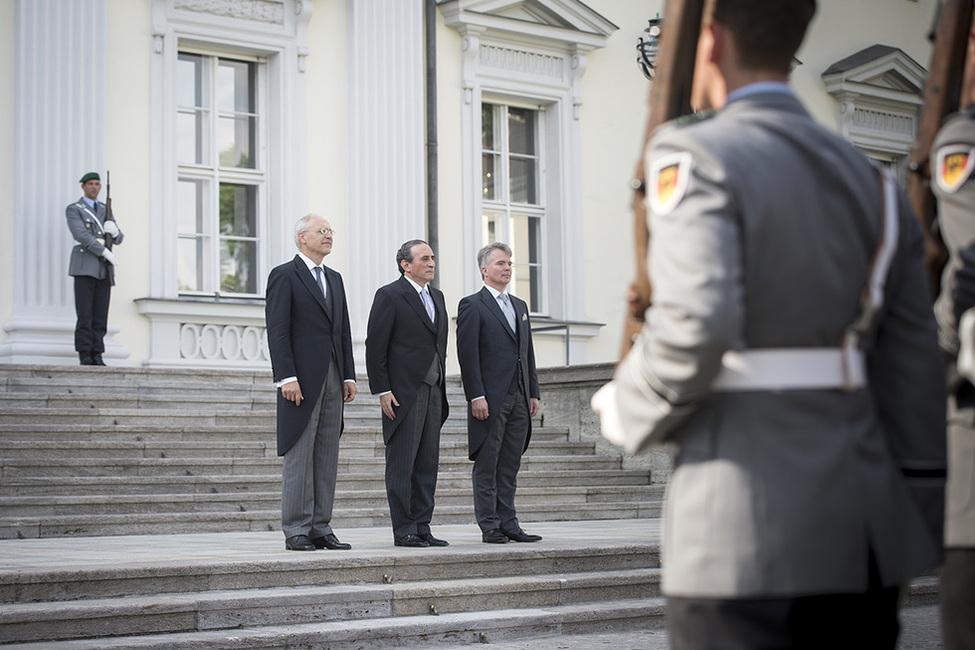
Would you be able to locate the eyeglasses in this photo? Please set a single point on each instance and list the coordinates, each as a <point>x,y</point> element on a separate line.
<point>323,231</point>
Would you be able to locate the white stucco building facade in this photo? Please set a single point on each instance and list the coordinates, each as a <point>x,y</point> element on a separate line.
<point>224,121</point>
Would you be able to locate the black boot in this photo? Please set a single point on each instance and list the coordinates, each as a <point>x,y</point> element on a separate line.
<point>96,359</point>
<point>86,359</point>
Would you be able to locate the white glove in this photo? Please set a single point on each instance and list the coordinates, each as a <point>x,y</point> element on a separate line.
<point>603,403</point>
<point>107,254</point>
<point>966,339</point>
<point>110,228</point>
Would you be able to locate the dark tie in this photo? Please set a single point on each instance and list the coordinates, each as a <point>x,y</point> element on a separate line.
<point>318,279</point>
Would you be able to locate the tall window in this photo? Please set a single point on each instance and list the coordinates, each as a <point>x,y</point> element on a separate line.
<point>512,196</point>
<point>221,174</point>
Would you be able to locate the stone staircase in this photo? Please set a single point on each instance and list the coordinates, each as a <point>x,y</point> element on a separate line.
<point>116,451</point>
<point>227,590</point>
<point>139,508</point>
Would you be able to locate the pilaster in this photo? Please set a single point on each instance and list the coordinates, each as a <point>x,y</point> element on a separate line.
<point>387,195</point>
<point>60,70</point>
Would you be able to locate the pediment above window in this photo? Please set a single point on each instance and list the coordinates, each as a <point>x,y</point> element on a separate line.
<point>880,95</point>
<point>557,21</point>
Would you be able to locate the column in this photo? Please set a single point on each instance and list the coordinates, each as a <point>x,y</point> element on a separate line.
<point>387,196</point>
<point>60,71</point>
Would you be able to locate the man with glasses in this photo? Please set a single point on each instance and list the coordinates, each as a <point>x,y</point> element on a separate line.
<point>310,342</point>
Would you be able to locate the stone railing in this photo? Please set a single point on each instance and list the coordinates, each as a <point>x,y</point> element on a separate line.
<point>566,392</point>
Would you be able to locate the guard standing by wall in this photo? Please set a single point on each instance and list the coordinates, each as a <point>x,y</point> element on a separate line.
<point>92,266</point>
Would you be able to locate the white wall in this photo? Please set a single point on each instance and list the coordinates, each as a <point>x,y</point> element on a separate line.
<point>843,28</point>
<point>451,260</point>
<point>326,78</point>
<point>7,146</point>
<point>127,158</point>
<point>613,114</point>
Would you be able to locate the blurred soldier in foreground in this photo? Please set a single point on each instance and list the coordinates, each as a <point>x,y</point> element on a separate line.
<point>791,355</point>
<point>954,187</point>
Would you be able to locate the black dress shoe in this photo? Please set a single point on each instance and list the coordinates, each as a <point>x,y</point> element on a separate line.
<point>412,540</point>
<point>518,535</point>
<point>85,359</point>
<point>331,542</point>
<point>96,360</point>
<point>433,541</point>
<point>298,543</point>
<point>494,537</point>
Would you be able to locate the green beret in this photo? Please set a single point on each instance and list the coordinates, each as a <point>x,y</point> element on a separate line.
<point>90,176</point>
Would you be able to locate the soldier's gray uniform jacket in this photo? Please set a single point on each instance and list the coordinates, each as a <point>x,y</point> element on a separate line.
<point>85,225</point>
<point>954,186</point>
<point>763,225</point>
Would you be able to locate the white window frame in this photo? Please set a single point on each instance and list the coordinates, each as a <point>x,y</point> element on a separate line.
<point>214,175</point>
<point>506,207</point>
<point>208,329</point>
<point>532,52</point>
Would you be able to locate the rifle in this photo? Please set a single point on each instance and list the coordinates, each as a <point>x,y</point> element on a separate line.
<point>670,97</point>
<point>109,268</point>
<point>953,20</point>
<point>108,207</point>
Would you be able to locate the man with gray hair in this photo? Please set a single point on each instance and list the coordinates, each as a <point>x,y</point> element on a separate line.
<point>497,366</point>
<point>310,342</point>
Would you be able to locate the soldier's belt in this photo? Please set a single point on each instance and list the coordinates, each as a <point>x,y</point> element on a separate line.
<point>840,368</point>
<point>773,369</point>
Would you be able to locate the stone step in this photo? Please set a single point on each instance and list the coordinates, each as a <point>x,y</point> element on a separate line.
<point>190,484</point>
<point>81,417</point>
<point>244,608</point>
<point>147,431</point>
<point>148,523</point>
<point>242,399</point>
<point>14,377</point>
<point>51,449</point>
<point>264,400</point>
<point>345,500</point>
<point>220,415</point>
<point>70,569</point>
<point>60,467</point>
<point>123,379</point>
<point>423,631</point>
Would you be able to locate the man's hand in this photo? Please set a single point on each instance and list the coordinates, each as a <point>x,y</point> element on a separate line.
<point>534,406</point>
<point>388,401</point>
<point>349,391</point>
<point>479,408</point>
<point>107,255</point>
<point>109,228</point>
<point>292,392</point>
